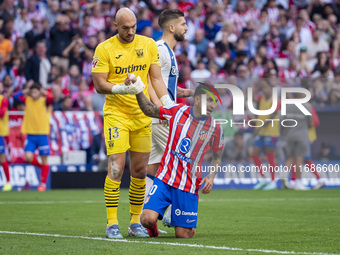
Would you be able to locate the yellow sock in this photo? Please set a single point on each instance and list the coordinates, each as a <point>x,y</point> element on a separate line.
<point>136,197</point>
<point>111,192</point>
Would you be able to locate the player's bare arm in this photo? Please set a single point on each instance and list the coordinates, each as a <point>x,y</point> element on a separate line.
<point>132,85</point>
<point>148,108</point>
<point>153,97</point>
<point>101,84</point>
<point>159,85</point>
<point>184,92</point>
<point>209,179</point>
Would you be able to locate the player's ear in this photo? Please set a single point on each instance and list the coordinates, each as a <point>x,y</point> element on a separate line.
<point>197,100</point>
<point>171,27</point>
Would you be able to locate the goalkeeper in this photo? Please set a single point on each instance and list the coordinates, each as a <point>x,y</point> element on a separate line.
<point>126,128</point>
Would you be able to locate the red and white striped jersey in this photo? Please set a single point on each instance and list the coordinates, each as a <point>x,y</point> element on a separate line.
<point>273,14</point>
<point>189,140</point>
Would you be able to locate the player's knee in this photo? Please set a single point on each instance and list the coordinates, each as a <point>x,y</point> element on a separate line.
<point>28,157</point>
<point>147,220</point>
<point>184,233</point>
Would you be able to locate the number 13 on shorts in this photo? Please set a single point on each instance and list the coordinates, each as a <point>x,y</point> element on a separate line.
<point>113,133</point>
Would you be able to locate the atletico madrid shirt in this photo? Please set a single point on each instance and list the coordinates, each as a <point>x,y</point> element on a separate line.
<point>189,140</point>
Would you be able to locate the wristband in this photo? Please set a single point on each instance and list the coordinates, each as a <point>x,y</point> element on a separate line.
<point>166,100</point>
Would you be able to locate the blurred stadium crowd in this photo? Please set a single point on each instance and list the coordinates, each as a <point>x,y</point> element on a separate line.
<point>52,42</point>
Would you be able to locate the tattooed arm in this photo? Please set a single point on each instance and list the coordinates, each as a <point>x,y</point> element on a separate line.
<point>148,108</point>
<point>209,179</point>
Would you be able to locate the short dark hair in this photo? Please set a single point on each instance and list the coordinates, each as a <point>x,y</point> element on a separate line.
<point>168,15</point>
<point>202,87</point>
<point>36,85</point>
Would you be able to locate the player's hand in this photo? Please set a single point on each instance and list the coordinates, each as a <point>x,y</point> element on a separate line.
<point>165,123</point>
<point>131,78</point>
<point>209,181</point>
<point>136,87</point>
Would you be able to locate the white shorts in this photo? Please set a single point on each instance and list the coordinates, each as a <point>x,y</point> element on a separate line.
<point>160,136</point>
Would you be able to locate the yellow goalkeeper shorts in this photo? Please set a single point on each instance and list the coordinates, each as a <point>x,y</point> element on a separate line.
<point>127,134</point>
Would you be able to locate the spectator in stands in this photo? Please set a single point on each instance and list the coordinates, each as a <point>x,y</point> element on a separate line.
<point>320,92</point>
<point>39,66</point>
<point>8,85</point>
<point>288,50</point>
<point>52,12</point>
<point>57,97</point>
<point>237,149</point>
<point>317,44</point>
<point>327,152</point>
<point>284,27</point>
<point>80,96</point>
<point>61,37</point>
<point>20,48</point>
<point>303,64</point>
<point>200,73</point>
<point>35,34</point>
<point>210,26</point>
<point>262,26</point>
<point>193,23</point>
<point>200,42</point>
<point>323,60</point>
<point>5,46</point>
<point>75,52</point>
<point>143,19</point>
<point>97,21</point>
<point>243,80</point>
<point>67,103</point>
<point>250,45</point>
<point>22,24</point>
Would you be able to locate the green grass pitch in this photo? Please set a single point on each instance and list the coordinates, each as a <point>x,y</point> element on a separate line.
<point>229,222</point>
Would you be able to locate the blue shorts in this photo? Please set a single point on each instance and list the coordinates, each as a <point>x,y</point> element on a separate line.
<point>265,141</point>
<point>40,142</point>
<point>184,204</point>
<point>2,145</point>
<point>309,155</point>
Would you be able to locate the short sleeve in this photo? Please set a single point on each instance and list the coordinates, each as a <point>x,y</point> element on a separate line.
<point>100,63</point>
<point>218,143</point>
<point>163,57</point>
<point>154,54</point>
<point>166,112</point>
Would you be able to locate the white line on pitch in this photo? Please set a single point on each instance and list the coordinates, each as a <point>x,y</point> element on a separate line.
<point>170,244</point>
<point>201,200</point>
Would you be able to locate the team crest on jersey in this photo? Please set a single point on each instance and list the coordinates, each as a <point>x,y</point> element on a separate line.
<point>139,53</point>
<point>203,134</point>
<point>174,71</point>
<point>110,144</point>
<point>94,64</point>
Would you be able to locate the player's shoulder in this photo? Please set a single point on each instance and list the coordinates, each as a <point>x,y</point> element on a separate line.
<point>144,39</point>
<point>107,44</point>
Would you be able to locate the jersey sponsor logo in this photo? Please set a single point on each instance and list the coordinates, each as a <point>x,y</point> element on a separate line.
<point>189,221</point>
<point>119,56</point>
<point>178,212</point>
<point>129,69</point>
<point>185,144</point>
<point>94,64</point>
<point>139,52</point>
<point>181,156</point>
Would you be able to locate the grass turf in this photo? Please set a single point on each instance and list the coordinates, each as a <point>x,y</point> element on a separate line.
<point>299,221</point>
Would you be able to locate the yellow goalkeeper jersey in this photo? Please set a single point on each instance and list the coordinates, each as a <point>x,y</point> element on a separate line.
<point>118,60</point>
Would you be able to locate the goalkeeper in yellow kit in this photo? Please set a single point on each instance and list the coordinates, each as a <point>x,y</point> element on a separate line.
<point>116,61</point>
